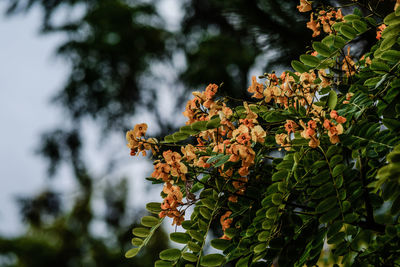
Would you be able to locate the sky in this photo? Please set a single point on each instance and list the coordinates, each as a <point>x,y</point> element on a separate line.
<point>30,74</point>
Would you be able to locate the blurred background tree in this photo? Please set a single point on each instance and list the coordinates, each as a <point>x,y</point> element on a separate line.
<point>114,49</point>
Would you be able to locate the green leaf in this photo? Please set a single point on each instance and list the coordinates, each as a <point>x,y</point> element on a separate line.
<point>346,205</point>
<point>153,207</point>
<point>392,124</point>
<point>299,67</point>
<point>348,31</point>
<point>320,178</point>
<point>323,191</point>
<point>220,244</point>
<point>260,248</point>
<point>171,254</point>
<point>212,260</point>
<point>397,11</point>
<point>196,235</point>
<point>277,198</point>
<point>205,213</point>
<point>180,136</point>
<point>395,209</point>
<point>271,213</point>
<point>330,215</point>
<point>188,129</point>
<point>391,31</point>
<point>215,158</point>
<point>371,82</point>
<point>132,252</point>
<point>150,221</point>
<point>351,17</point>
<point>350,218</point>
<point>332,150</point>
<point>214,123</point>
<point>326,204</point>
<point>309,60</point>
<point>359,25</point>
<point>280,175</point>
<point>222,161</point>
<point>391,55</point>
<point>193,246</point>
<point>199,126</point>
<point>189,257</point>
<point>160,263</point>
<point>338,170</point>
<point>318,164</point>
<point>243,262</point>
<point>322,49</point>
<point>328,40</point>
<point>141,231</point>
<point>168,139</point>
<point>332,99</point>
<point>337,238</point>
<point>388,42</point>
<point>339,42</point>
<point>335,160</point>
<point>182,238</point>
<point>137,241</point>
<point>334,228</point>
<point>391,19</point>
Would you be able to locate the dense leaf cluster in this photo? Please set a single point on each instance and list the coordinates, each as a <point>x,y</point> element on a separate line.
<point>324,196</point>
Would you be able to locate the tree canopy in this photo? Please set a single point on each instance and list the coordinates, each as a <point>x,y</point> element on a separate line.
<point>305,173</point>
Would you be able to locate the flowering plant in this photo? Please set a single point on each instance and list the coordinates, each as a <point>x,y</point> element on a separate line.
<point>313,160</point>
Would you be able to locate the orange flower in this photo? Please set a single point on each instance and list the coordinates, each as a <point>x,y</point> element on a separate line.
<point>349,67</point>
<point>314,26</point>
<point>233,198</point>
<point>161,171</point>
<point>211,90</point>
<point>256,88</point>
<point>397,4</point>
<point>304,6</point>
<point>140,130</point>
<point>310,130</point>
<point>324,78</point>
<point>171,157</point>
<point>244,138</point>
<point>243,171</point>
<point>226,221</point>
<point>314,142</point>
<point>171,202</point>
<point>380,30</point>
<point>339,15</point>
<point>339,119</point>
<point>188,152</point>
<point>258,134</point>
<point>174,192</point>
<point>334,139</point>
<point>202,162</point>
<point>290,126</point>
<point>179,170</point>
<point>282,140</point>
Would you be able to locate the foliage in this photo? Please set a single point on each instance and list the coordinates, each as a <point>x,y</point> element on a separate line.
<point>312,160</point>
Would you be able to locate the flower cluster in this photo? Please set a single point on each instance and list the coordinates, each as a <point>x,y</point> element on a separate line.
<point>171,203</point>
<point>324,20</point>
<point>137,143</point>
